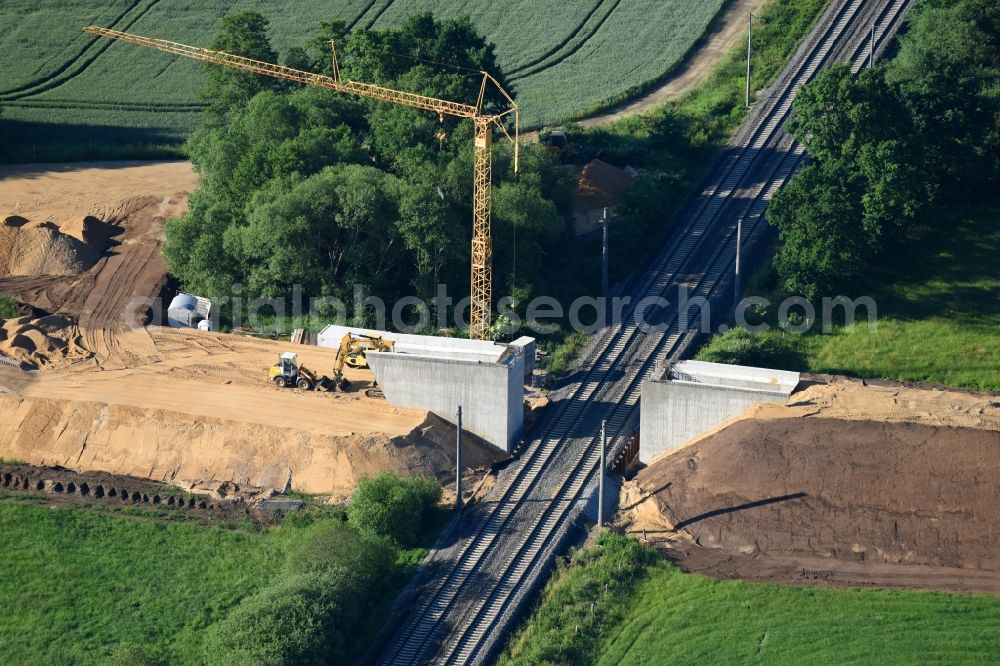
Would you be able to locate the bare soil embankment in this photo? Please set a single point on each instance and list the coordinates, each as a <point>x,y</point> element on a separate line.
<point>174,405</point>
<point>204,410</point>
<point>173,447</point>
<point>847,485</point>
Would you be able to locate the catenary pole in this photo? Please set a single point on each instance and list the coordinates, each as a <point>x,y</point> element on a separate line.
<point>458,460</point>
<point>738,288</point>
<point>601,472</point>
<point>749,46</point>
<point>604,266</point>
<point>871,49</point>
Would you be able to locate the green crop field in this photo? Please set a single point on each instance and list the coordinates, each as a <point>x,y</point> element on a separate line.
<point>79,586</point>
<point>625,604</point>
<point>562,59</point>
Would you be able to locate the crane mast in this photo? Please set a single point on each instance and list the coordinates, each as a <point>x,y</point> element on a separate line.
<point>482,245</point>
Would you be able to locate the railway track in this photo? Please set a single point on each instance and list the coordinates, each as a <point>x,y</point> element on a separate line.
<point>474,586</point>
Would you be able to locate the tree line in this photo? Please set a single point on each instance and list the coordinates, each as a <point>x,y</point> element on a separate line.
<point>305,186</point>
<point>923,129</point>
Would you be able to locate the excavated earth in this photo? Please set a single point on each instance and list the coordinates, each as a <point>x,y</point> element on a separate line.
<point>85,385</point>
<point>205,411</point>
<point>848,484</point>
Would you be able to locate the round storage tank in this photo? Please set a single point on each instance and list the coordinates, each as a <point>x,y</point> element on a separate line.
<point>183,302</point>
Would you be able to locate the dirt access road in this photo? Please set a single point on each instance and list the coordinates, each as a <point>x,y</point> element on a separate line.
<point>724,33</point>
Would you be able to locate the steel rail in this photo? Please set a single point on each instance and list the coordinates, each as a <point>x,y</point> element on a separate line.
<point>575,483</point>
<point>530,554</point>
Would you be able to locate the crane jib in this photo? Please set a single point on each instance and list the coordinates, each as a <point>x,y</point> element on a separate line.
<point>482,278</point>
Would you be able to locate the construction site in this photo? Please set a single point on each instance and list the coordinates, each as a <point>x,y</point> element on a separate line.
<point>126,394</point>
<point>178,404</point>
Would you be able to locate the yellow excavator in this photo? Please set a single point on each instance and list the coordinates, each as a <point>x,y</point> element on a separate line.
<point>352,350</point>
<point>289,372</point>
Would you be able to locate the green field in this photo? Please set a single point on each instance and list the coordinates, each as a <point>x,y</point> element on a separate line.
<point>59,84</point>
<point>123,585</point>
<point>79,586</point>
<point>624,604</point>
<point>938,304</point>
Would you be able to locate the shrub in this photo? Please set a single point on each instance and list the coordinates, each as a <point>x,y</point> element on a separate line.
<point>333,545</point>
<point>9,308</point>
<point>299,620</point>
<point>737,346</point>
<point>391,506</point>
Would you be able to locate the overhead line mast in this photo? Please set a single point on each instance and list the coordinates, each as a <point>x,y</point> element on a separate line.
<point>482,244</point>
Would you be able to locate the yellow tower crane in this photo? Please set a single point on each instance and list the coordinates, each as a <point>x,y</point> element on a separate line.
<point>482,245</point>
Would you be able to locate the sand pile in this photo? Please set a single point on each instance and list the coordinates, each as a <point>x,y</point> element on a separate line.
<point>600,184</point>
<point>90,230</point>
<point>40,342</point>
<point>41,248</point>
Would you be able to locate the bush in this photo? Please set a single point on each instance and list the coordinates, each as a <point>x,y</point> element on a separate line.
<point>333,546</point>
<point>738,346</point>
<point>391,506</point>
<point>10,308</point>
<point>299,620</point>
<point>326,605</point>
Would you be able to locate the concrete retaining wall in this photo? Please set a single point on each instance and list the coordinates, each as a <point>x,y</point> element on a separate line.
<point>526,345</point>
<point>694,397</point>
<point>491,394</point>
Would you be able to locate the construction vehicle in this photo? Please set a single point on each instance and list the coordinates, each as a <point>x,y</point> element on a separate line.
<point>483,121</point>
<point>568,153</point>
<point>289,372</point>
<point>352,352</point>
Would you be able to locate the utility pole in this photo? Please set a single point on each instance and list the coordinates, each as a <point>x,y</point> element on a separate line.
<point>739,242</point>
<point>749,46</point>
<point>458,461</point>
<point>871,49</point>
<point>604,266</point>
<point>600,482</point>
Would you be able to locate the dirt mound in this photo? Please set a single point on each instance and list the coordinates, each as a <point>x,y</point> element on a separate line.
<point>90,230</point>
<point>40,342</point>
<point>175,447</point>
<point>600,184</point>
<point>856,490</point>
<point>42,249</point>
<point>848,484</point>
<point>854,399</point>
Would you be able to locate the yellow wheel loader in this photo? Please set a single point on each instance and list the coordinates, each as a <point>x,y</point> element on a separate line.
<point>288,372</point>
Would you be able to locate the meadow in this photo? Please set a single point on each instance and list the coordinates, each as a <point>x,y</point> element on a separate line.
<point>938,306</point>
<point>126,585</point>
<point>562,59</point>
<point>81,587</point>
<point>622,603</point>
